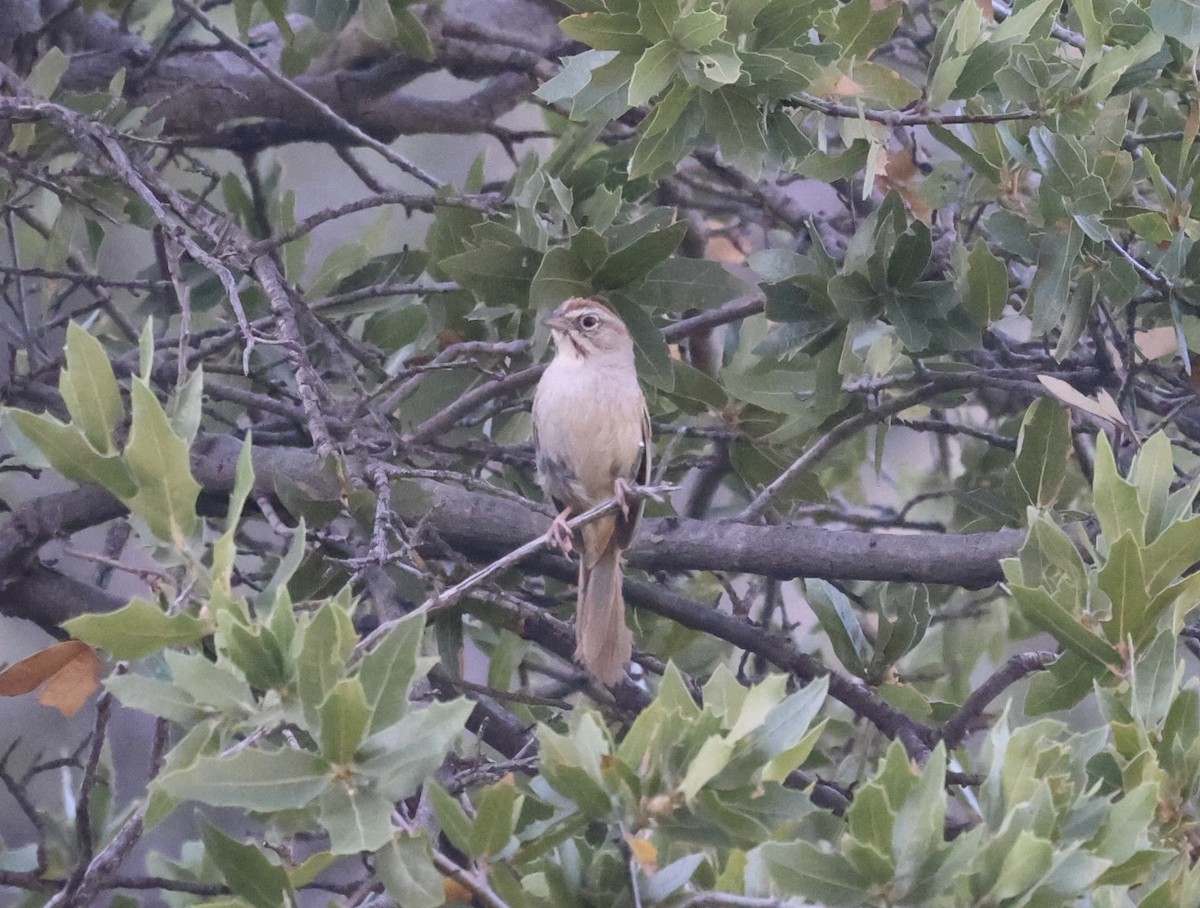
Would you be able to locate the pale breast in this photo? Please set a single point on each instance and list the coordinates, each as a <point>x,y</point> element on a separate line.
<point>589,429</point>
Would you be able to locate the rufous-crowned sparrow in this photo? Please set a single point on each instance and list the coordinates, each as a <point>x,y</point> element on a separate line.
<point>592,434</point>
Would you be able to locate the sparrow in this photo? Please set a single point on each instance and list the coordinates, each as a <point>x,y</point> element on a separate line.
<point>592,435</point>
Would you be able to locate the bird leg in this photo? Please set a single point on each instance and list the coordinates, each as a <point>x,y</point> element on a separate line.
<point>623,492</point>
<point>561,534</point>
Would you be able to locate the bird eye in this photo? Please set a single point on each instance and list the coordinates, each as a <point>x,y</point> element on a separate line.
<point>588,322</point>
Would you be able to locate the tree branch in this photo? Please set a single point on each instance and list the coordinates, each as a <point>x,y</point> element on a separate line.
<point>1017,667</point>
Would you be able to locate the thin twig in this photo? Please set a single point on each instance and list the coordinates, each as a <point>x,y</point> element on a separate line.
<point>897,118</point>
<point>1016,668</point>
<point>241,51</point>
<point>829,441</point>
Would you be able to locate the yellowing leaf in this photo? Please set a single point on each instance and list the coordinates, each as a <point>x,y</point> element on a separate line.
<point>643,852</point>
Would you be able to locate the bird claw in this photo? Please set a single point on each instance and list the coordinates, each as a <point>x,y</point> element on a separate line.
<point>623,492</point>
<point>560,534</point>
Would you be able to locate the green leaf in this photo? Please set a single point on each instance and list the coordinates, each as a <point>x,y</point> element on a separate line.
<point>1048,291</point>
<point>402,755</point>
<point>136,630</point>
<point>652,72</point>
<point>1079,309</point>
<point>89,389</point>
<point>495,819</point>
<point>1172,553</point>
<point>1152,473</point>
<point>411,35</point>
<point>456,825</point>
<point>801,868</point>
<point>698,29</point>
<point>682,283</point>
<point>496,273</point>
<point>321,662</point>
<point>987,284</point>
<point>860,29</point>
<point>185,407</point>
<point>672,877</point>
<point>639,258</point>
<point>1122,579</point>
<point>405,865</point>
<point>840,623</point>
<point>1115,500</point>
<point>574,76</point>
<point>345,716</point>
<point>855,299</point>
<point>919,828</point>
<point>158,698</point>
<point>732,116</point>
<point>605,31</point>
<point>606,95</point>
<point>43,79</point>
<point>650,350</point>
<point>909,258</point>
<point>68,452</point>
<point>214,684</point>
<point>1069,680</point>
<point>1154,681</point>
<point>246,869</point>
<point>225,548</point>
<point>714,755</point>
<point>253,649</point>
<point>251,779</point>
<point>560,276</point>
<point>657,18</point>
<point>1027,861</point>
<point>285,569</point>
<point>720,65</point>
<point>377,19</point>
<point>158,459</point>
<point>667,134</point>
<point>356,818</point>
<point>1040,608</point>
<point>1043,451</point>
<point>1180,19</point>
<point>388,670</point>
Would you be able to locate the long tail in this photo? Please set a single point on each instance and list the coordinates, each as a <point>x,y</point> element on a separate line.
<point>602,641</point>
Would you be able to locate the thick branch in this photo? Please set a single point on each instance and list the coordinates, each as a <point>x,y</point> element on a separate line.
<point>484,525</point>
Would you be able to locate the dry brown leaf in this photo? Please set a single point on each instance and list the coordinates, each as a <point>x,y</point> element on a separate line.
<point>73,684</point>
<point>68,670</point>
<point>454,891</point>
<point>28,674</point>
<point>1157,342</point>
<point>902,174</point>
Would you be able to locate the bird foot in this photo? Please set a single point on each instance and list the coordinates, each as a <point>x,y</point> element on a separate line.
<point>623,492</point>
<point>561,536</point>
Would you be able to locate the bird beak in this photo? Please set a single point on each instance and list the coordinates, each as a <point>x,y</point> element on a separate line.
<point>556,323</point>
